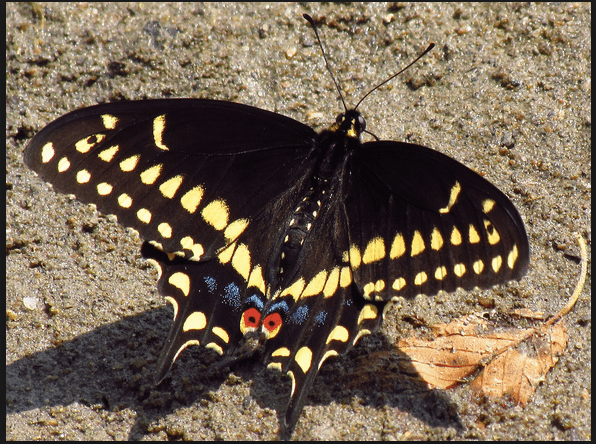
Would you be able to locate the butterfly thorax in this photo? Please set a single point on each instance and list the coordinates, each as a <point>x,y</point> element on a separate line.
<point>332,151</point>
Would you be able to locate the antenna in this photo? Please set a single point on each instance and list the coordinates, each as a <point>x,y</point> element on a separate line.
<point>314,27</point>
<point>431,46</point>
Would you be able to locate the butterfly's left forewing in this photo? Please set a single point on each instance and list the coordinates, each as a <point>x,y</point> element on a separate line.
<point>187,174</point>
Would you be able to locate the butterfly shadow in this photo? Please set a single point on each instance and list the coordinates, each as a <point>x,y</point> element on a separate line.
<point>111,368</point>
<point>374,373</point>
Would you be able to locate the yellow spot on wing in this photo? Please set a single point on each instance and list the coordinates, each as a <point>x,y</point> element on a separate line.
<point>144,215</point>
<point>84,145</point>
<point>63,164</point>
<point>103,189</point>
<point>496,263</point>
<point>241,261</point>
<point>455,237</point>
<point>512,257</point>
<point>492,233</point>
<point>165,230</point>
<point>399,283</point>
<point>282,351</point>
<point>216,214</point>
<point>473,236</point>
<point>197,251</point>
<point>316,284</point>
<point>345,257</point>
<point>488,205</point>
<point>124,200</point>
<point>108,154</point>
<point>459,269</point>
<point>304,358</point>
<point>188,243</point>
<point>127,165</point>
<point>478,266</point>
<point>345,277</point>
<point>369,311</point>
<point>186,344</point>
<point>454,194</point>
<point>109,121</point>
<point>361,333</point>
<point>293,379</point>
<point>375,251</point>
<point>332,283</point>
<point>192,198</point>
<point>180,281</point>
<point>170,187</point>
<point>398,247</point>
<point>47,152</point>
<point>420,278</point>
<point>83,176</point>
<point>328,354</point>
<point>226,254</point>
<point>150,175</point>
<point>417,244</point>
<point>436,239</point>
<point>274,366</point>
<point>220,332</point>
<point>170,299</point>
<point>355,257</point>
<point>373,287</point>
<point>295,289</point>
<point>339,333</point>
<point>257,280</point>
<point>215,347</point>
<point>235,229</point>
<point>159,125</point>
<point>195,321</point>
<point>440,273</point>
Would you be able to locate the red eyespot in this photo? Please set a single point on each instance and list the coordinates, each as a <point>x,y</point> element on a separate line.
<point>251,318</point>
<point>272,324</point>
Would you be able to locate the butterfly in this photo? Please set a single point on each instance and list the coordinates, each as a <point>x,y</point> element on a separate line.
<point>274,239</point>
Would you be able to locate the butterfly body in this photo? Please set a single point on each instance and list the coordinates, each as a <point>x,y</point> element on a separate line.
<point>271,237</point>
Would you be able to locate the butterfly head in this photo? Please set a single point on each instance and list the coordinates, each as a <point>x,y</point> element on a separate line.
<point>351,123</point>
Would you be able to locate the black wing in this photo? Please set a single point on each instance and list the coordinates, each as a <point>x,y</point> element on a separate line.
<point>187,174</point>
<point>421,222</point>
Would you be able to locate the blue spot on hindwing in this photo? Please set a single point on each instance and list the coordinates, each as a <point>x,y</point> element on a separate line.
<point>320,318</point>
<point>256,301</point>
<point>211,283</point>
<point>299,316</point>
<point>231,295</point>
<point>281,306</point>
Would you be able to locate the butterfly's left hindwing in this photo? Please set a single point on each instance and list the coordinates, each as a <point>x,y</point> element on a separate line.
<point>208,299</point>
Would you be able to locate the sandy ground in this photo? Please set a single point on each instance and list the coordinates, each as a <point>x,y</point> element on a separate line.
<point>506,91</point>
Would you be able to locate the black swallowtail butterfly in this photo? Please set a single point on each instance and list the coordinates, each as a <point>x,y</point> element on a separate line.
<point>270,236</point>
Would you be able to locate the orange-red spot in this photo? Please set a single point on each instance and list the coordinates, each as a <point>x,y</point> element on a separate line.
<point>272,324</point>
<point>251,318</point>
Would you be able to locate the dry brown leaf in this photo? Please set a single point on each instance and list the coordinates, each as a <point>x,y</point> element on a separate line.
<point>463,345</point>
<point>466,345</point>
<point>518,375</point>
